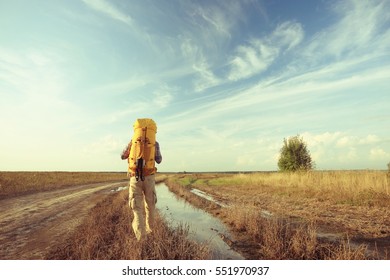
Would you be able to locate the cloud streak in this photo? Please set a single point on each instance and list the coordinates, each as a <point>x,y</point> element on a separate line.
<point>110,10</point>
<point>259,54</point>
<point>359,28</point>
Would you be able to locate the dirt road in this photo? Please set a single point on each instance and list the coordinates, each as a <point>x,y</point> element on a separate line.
<point>32,224</point>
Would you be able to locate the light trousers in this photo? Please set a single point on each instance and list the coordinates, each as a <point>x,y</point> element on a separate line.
<point>142,200</point>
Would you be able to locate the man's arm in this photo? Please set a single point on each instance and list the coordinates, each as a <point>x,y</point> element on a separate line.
<point>126,151</point>
<point>158,156</point>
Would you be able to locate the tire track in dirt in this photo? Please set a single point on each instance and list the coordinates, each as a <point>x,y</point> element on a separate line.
<point>31,224</point>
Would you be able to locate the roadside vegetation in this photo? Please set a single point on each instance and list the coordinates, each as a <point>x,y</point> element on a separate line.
<point>353,188</point>
<point>339,215</point>
<point>106,234</point>
<point>17,183</point>
<point>310,215</point>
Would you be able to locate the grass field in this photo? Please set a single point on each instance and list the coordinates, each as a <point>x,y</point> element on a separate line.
<point>355,188</point>
<point>271,215</point>
<point>17,183</point>
<point>280,214</point>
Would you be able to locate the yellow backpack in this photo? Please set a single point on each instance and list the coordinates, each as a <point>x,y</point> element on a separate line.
<point>142,151</point>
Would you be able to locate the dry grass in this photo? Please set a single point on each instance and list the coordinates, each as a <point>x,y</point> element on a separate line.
<point>17,183</point>
<point>347,202</point>
<point>354,202</point>
<point>107,235</point>
<point>286,238</point>
<point>106,232</point>
<point>370,188</point>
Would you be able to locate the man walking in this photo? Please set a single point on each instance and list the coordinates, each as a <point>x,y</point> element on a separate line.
<point>142,152</point>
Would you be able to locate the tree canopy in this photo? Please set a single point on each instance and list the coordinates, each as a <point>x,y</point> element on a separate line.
<point>294,155</point>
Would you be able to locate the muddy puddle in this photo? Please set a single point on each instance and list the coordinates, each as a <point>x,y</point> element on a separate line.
<point>202,226</point>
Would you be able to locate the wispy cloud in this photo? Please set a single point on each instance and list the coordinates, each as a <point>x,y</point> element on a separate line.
<point>255,57</point>
<point>124,86</point>
<point>357,37</point>
<point>163,96</point>
<point>207,78</point>
<point>159,100</point>
<point>32,73</point>
<point>194,55</point>
<point>215,20</point>
<point>207,37</point>
<point>129,112</point>
<point>359,28</point>
<point>109,9</point>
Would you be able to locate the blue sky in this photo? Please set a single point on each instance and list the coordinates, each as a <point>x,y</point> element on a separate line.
<point>226,82</point>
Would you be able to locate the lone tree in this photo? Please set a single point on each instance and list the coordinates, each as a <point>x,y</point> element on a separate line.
<point>294,155</point>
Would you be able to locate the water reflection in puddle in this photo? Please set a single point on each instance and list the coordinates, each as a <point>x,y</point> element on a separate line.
<point>202,226</point>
